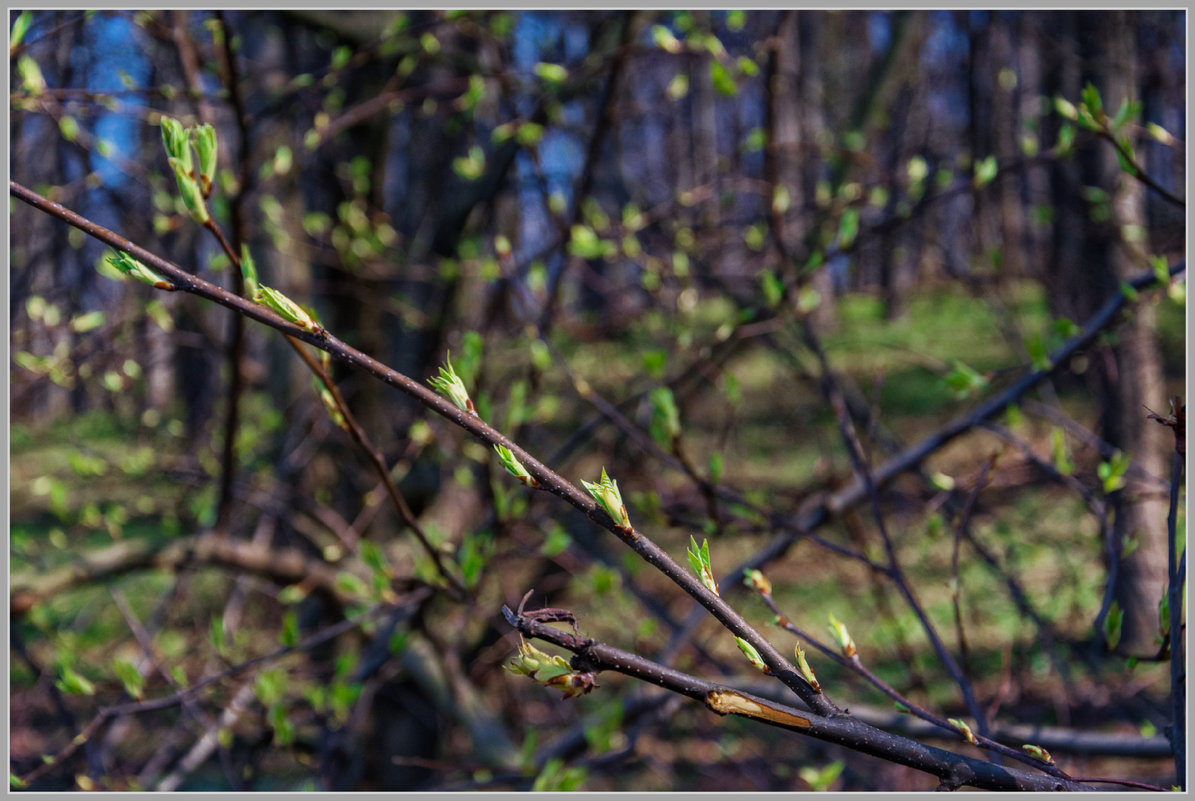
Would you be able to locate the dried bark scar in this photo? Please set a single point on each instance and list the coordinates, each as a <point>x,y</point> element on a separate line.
<point>726,702</point>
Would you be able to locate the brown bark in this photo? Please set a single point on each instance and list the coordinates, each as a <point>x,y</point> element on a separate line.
<point>1090,259</point>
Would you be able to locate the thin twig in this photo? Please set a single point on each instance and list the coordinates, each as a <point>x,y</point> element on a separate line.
<point>896,574</point>
<point>379,465</point>
<point>855,664</point>
<point>963,524</point>
<point>1139,172</point>
<point>840,729</point>
<point>210,740</point>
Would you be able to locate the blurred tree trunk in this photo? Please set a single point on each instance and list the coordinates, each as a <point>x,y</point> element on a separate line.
<point>810,78</point>
<point>1137,381</point>
<point>1094,249</point>
<point>1035,183</point>
<point>901,248</point>
<point>999,209</point>
<point>796,123</point>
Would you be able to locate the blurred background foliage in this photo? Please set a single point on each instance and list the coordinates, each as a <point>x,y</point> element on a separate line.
<point>584,208</point>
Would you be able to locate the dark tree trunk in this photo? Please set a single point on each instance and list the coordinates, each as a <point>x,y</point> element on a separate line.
<point>1091,257</point>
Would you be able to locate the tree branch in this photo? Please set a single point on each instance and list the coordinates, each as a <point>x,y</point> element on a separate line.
<point>839,729</point>
<point>548,479</point>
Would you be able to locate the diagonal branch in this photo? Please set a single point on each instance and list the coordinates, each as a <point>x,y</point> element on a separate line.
<point>988,409</point>
<point>548,479</point>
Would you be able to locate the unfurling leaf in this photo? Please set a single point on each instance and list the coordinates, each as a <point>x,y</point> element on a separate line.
<point>551,671</point>
<point>665,419</point>
<point>606,493</point>
<point>554,74</point>
<point>514,466</point>
<point>968,735</point>
<point>19,26</point>
<point>964,380</point>
<point>842,637</point>
<point>135,269</point>
<point>249,273</point>
<point>574,683</point>
<point>74,683</point>
<point>806,671</point>
<point>287,309</point>
<point>331,406</point>
<point>1039,753</point>
<point>756,580</point>
<point>177,142</point>
<point>189,189</point>
<point>662,38</point>
<point>204,138</point>
<point>1112,472</point>
<point>449,384</point>
<point>699,560</point>
<point>1113,626</point>
<point>533,662</point>
<point>752,655</point>
<point>985,172</point>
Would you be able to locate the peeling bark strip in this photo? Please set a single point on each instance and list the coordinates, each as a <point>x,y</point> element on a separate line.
<point>726,702</point>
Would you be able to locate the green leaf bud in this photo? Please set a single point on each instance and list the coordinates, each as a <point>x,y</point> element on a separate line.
<point>806,671</point>
<point>204,138</point>
<point>756,580</point>
<point>842,637</point>
<point>752,655</point>
<point>699,560</point>
<point>177,142</point>
<point>287,309</point>
<point>249,272</point>
<point>1039,753</point>
<point>135,269</point>
<point>514,466</point>
<point>606,493</point>
<point>189,190</point>
<point>450,385</point>
<point>968,735</point>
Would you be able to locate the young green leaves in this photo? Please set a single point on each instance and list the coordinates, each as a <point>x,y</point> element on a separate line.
<point>699,560</point>
<point>515,467</point>
<point>665,419</point>
<point>131,267</point>
<point>1112,472</point>
<point>249,273</point>
<point>963,728</point>
<point>204,138</point>
<point>752,655</point>
<point>274,300</point>
<point>1038,753</point>
<point>551,671</point>
<point>606,493</point>
<point>756,580</point>
<point>806,671</point>
<point>449,384</point>
<point>177,142</point>
<point>287,309</point>
<point>1113,626</point>
<point>842,637</point>
<point>329,401</point>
